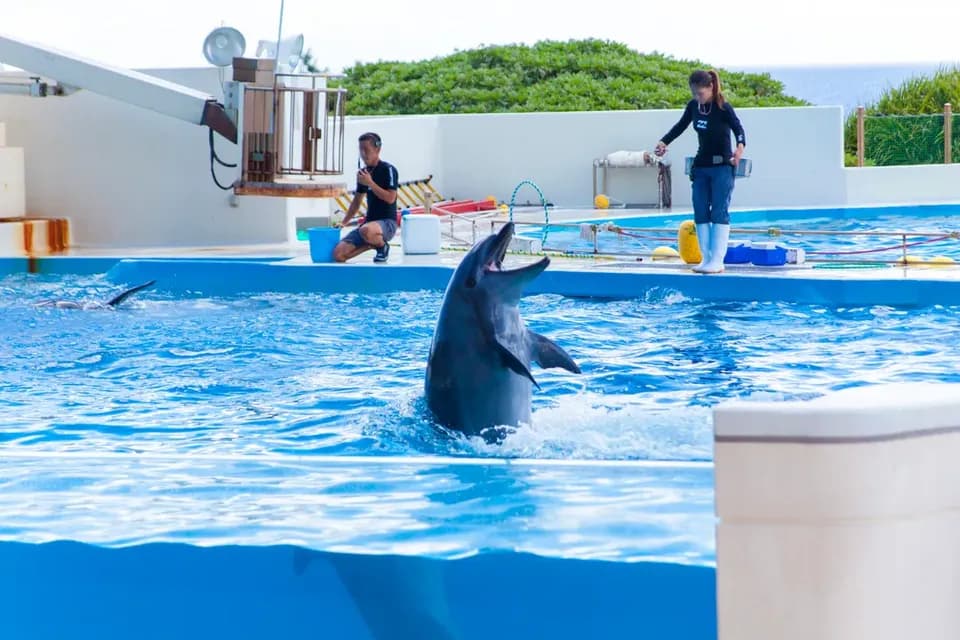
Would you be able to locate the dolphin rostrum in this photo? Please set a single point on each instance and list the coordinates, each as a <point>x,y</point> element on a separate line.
<point>109,304</point>
<point>478,373</point>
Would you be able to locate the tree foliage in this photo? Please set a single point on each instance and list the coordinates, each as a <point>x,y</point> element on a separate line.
<point>906,125</point>
<point>577,75</point>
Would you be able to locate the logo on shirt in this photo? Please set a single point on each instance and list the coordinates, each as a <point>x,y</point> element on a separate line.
<point>700,124</point>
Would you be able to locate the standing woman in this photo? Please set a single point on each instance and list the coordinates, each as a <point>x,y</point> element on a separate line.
<point>714,167</point>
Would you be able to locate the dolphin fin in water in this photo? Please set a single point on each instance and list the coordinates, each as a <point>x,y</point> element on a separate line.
<point>129,292</point>
<point>515,364</point>
<point>549,354</point>
<point>397,598</point>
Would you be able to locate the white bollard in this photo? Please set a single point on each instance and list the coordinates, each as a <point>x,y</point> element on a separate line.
<point>839,518</point>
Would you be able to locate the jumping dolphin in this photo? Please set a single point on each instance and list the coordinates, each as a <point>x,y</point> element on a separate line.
<point>478,373</point>
<point>110,304</point>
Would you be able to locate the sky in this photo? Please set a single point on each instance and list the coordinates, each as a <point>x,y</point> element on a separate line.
<point>732,34</point>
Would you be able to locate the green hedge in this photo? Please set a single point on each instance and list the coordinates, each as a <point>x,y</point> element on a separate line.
<point>577,75</point>
<point>905,126</point>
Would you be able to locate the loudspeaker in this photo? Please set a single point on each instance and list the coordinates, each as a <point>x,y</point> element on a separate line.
<point>222,45</point>
<point>290,50</point>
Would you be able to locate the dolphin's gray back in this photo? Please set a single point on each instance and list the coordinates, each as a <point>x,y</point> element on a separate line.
<point>113,302</point>
<point>61,304</point>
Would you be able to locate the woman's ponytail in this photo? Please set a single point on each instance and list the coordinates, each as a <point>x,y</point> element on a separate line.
<point>717,89</point>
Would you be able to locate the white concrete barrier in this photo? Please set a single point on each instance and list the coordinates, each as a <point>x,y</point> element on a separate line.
<point>13,202</point>
<point>911,183</point>
<point>129,177</point>
<point>838,518</point>
<point>33,236</point>
<point>20,235</point>
<point>11,239</point>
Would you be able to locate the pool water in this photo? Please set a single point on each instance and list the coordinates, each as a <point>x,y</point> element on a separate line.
<point>343,374</point>
<point>225,402</point>
<point>829,247</point>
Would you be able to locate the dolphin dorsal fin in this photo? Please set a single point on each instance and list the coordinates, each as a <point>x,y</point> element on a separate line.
<point>515,364</point>
<point>129,292</point>
<point>549,354</point>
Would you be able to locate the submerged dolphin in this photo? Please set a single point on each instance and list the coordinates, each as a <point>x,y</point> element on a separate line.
<point>478,373</point>
<point>109,304</point>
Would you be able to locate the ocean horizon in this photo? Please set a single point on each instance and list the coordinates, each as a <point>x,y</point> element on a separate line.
<point>846,85</point>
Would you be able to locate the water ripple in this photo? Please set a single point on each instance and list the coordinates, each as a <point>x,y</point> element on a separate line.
<point>343,374</point>
<point>442,509</point>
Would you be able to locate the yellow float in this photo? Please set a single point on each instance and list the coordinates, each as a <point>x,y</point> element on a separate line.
<point>665,253</point>
<point>601,201</point>
<point>941,261</point>
<point>687,242</point>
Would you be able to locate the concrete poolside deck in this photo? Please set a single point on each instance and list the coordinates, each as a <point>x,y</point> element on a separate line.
<point>231,270</point>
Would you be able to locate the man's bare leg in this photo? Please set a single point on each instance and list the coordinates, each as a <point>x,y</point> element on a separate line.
<point>372,233</point>
<point>345,251</point>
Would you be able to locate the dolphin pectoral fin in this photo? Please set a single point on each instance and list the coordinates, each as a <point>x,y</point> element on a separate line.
<point>549,354</point>
<point>512,362</point>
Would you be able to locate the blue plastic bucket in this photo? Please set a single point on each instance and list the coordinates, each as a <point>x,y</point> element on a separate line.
<point>322,241</point>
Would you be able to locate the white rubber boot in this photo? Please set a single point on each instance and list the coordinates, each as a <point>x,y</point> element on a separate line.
<point>719,236</point>
<point>703,239</point>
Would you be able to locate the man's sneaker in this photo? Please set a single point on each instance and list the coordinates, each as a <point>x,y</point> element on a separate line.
<point>382,253</point>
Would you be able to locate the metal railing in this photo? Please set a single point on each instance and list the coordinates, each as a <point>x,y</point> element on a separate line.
<point>294,128</point>
<point>900,241</point>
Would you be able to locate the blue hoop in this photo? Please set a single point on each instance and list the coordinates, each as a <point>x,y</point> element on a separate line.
<point>543,201</point>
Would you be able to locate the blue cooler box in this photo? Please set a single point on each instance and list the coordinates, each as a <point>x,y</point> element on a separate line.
<point>322,241</point>
<point>738,253</point>
<point>768,255</point>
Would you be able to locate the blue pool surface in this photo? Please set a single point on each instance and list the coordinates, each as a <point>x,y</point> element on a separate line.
<point>242,451</point>
<point>313,374</point>
<point>934,221</point>
<point>253,386</point>
<point>244,462</point>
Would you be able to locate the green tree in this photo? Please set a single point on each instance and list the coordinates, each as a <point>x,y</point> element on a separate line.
<point>308,60</point>
<point>577,75</point>
<point>905,126</point>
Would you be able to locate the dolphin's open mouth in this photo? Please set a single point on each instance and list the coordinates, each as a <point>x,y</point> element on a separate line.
<point>498,251</point>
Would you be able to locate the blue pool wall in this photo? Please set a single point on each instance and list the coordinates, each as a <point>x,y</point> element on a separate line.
<point>893,286</point>
<point>208,276</point>
<point>211,278</point>
<point>78,591</point>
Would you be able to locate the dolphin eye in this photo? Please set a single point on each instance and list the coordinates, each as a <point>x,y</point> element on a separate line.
<point>471,282</point>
